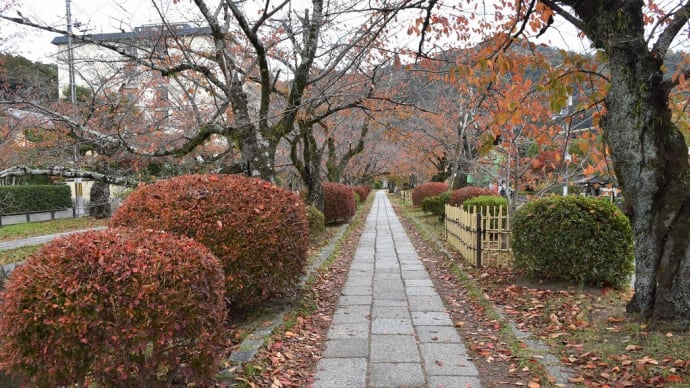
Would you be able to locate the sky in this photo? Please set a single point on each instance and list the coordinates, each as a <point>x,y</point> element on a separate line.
<point>97,16</point>
<point>93,16</point>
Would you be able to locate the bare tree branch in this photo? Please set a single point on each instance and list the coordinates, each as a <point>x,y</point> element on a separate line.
<point>61,171</point>
<point>678,19</point>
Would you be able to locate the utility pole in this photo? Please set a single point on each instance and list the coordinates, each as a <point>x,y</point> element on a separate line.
<point>78,200</point>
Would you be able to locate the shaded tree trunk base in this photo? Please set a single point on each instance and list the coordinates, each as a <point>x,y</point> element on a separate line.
<point>99,207</point>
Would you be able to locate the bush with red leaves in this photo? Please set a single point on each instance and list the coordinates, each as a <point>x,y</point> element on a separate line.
<point>464,193</point>
<point>362,191</point>
<point>122,307</point>
<point>338,203</point>
<point>258,230</point>
<point>426,190</point>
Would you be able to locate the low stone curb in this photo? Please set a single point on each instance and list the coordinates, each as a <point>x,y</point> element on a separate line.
<point>251,345</point>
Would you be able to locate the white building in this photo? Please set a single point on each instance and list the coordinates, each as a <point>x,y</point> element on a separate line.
<point>118,67</point>
<point>95,60</point>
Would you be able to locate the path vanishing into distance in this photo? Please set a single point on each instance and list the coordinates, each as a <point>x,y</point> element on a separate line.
<point>391,328</point>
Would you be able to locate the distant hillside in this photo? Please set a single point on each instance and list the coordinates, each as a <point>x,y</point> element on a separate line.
<point>31,80</point>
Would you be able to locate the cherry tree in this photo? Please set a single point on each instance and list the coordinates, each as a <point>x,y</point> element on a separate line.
<point>240,88</point>
<point>641,133</point>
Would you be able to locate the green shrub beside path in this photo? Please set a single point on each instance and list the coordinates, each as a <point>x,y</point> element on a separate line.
<point>584,240</point>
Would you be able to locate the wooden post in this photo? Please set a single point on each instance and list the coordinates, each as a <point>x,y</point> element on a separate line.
<point>479,238</point>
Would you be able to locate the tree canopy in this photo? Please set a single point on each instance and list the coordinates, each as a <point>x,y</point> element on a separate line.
<point>271,86</point>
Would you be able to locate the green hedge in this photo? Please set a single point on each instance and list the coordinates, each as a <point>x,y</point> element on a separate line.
<point>436,205</point>
<point>489,204</point>
<point>34,198</point>
<point>317,222</point>
<point>577,239</point>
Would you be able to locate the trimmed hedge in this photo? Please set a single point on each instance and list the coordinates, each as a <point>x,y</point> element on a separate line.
<point>116,307</point>
<point>338,203</point>
<point>459,196</point>
<point>488,204</point>
<point>363,192</point>
<point>258,230</point>
<point>426,190</point>
<point>317,222</point>
<point>34,198</point>
<point>436,205</point>
<point>578,239</point>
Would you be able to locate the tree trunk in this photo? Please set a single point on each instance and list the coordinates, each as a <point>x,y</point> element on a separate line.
<point>392,187</point>
<point>308,165</point>
<point>462,155</point>
<point>260,156</point>
<point>651,163</point>
<point>100,200</point>
<point>315,194</point>
<point>336,168</point>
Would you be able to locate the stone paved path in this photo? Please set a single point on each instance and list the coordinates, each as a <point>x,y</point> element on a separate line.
<point>37,240</point>
<point>6,269</point>
<point>391,328</point>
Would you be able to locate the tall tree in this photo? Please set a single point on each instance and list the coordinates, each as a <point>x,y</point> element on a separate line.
<point>251,49</point>
<point>649,154</point>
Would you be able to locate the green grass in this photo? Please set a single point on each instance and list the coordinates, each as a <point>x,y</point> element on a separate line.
<point>16,255</point>
<point>32,229</point>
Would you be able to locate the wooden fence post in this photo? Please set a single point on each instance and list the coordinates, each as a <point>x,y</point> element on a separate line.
<point>479,238</point>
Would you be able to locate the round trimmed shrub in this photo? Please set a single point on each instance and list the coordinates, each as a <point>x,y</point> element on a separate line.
<point>577,239</point>
<point>426,190</point>
<point>317,223</point>
<point>123,307</point>
<point>459,196</point>
<point>363,192</point>
<point>338,203</point>
<point>258,231</point>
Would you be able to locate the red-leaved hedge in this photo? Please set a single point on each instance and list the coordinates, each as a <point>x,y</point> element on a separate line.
<point>258,230</point>
<point>464,193</point>
<point>338,203</point>
<point>116,307</point>
<point>426,190</point>
<point>362,191</point>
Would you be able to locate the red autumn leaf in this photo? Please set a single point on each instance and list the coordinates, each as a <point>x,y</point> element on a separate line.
<point>674,379</point>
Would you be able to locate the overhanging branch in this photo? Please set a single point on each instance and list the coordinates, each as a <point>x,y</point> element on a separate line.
<point>65,172</point>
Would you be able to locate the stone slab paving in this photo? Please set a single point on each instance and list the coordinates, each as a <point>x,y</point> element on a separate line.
<point>391,328</point>
<point>38,240</point>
